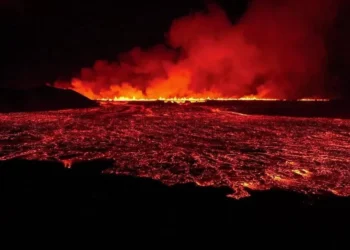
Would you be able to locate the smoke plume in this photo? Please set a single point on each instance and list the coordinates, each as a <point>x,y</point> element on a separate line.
<point>276,50</point>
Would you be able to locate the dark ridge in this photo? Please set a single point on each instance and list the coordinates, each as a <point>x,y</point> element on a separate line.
<point>42,99</point>
<point>52,197</point>
<point>320,109</point>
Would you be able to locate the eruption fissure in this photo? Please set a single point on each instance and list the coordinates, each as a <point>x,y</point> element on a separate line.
<point>193,99</point>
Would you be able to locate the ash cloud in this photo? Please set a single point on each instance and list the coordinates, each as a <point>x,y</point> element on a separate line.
<point>277,49</point>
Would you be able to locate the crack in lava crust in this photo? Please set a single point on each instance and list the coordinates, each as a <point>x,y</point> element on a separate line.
<point>190,143</point>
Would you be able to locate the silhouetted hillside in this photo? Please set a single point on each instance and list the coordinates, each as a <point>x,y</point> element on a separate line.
<point>41,99</point>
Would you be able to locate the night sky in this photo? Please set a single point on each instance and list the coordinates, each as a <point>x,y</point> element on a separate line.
<point>45,41</point>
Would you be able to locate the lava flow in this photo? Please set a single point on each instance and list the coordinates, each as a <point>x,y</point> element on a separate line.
<point>210,145</point>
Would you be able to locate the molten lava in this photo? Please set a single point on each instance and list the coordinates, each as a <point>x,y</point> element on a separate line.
<point>194,99</point>
<point>183,99</point>
<point>209,144</point>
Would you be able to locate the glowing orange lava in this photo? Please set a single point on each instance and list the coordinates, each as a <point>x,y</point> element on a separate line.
<point>313,100</point>
<point>198,99</point>
<point>183,99</point>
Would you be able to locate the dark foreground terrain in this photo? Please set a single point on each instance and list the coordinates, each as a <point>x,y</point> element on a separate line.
<point>38,196</point>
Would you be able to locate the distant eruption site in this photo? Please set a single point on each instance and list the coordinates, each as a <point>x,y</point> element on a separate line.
<point>276,50</point>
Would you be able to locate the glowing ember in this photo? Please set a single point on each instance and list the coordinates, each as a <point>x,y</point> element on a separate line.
<point>199,143</point>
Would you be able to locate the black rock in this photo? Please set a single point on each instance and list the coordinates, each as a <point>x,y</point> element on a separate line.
<point>42,99</point>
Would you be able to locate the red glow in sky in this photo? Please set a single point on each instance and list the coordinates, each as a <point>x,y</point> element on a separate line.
<point>277,50</point>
